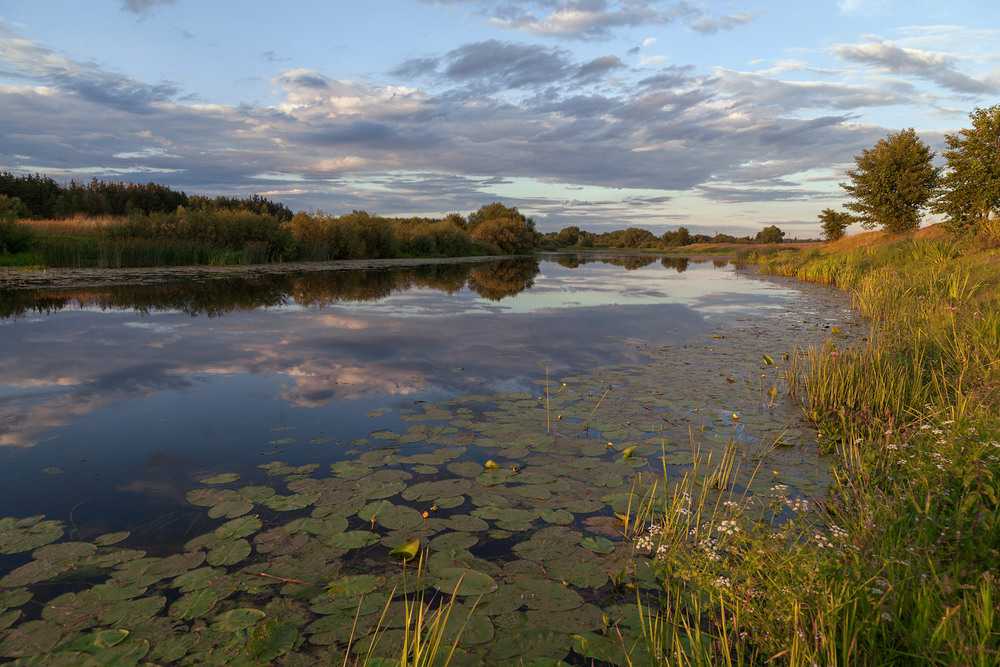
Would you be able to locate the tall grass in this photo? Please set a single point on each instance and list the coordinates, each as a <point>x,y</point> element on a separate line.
<point>897,564</point>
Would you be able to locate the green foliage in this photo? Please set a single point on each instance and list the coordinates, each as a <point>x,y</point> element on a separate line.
<point>503,230</point>
<point>893,182</point>
<point>14,235</point>
<point>835,223</point>
<point>969,193</point>
<point>770,235</point>
<point>681,237</point>
<point>227,230</point>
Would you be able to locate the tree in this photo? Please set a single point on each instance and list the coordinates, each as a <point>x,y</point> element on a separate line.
<point>892,183</point>
<point>681,237</point>
<point>969,193</point>
<point>835,223</point>
<point>503,228</point>
<point>770,235</point>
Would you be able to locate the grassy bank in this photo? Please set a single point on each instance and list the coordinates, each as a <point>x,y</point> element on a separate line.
<point>898,565</point>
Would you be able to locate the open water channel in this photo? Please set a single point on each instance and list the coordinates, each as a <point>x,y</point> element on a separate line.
<point>231,457</point>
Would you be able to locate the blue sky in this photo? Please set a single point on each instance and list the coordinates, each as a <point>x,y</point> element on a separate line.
<point>726,115</point>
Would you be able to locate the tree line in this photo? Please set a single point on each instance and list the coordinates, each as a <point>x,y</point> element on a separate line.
<point>636,237</point>
<point>895,182</point>
<point>41,197</point>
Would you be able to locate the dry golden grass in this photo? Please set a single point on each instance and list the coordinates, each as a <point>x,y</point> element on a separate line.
<point>79,225</point>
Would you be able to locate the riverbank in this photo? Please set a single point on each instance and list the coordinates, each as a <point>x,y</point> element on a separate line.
<point>898,562</point>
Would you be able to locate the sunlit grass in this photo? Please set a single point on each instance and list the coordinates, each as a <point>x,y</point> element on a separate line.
<point>897,564</point>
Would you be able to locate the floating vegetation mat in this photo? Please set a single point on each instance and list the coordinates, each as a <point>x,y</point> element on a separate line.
<point>511,515</point>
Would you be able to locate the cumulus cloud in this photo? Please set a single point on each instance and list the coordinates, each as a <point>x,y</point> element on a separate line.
<point>930,65</point>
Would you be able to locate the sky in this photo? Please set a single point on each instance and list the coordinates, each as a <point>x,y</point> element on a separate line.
<point>720,116</point>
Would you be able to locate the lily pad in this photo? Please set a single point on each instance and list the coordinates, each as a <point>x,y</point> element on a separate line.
<point>352,539</point>
<point>194,604</point>
<point>223,478</point>
<point>235,620</point>
<point>352,586</point>
<point>17,535</point>
<point>290,503</point>
<point>599,545</point>
<point>229,552</point>
<point>461,581</point>
<point>392,517</point>
<point>241,527</point>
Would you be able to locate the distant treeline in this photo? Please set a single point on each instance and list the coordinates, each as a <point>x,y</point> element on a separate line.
<point>635,237</point>
<point>44,198</point>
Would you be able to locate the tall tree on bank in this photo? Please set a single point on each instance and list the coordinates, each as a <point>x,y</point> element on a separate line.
<point>835,223</point>
<point>969,193</point>
<point>893,182</point>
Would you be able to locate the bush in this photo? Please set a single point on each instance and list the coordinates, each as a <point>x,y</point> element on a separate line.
<point>505,236</point>
<point>14,236</point>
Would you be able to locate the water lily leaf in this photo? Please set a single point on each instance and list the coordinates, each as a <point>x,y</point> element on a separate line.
<point>547,595</point>
<point>453,540</point>
<point>29,639</point>
<point>14,597</point>
<point>17,535</point>
<point>559,517</point>
<point>352,539</point>
<point>194,580</point>
<point>223,478</point>
<point>235,620</point>
<point>599,545</point>
<point>74,612</point>
<point>229,552</point>
<point>194,604</point>
<point>544,550</point>
<point>290,503</point>
<point>33,572</point>
<point>211,497</point>
<point>9,618</point>
<point>581,619</point>
<point>466,628</point>
<point>462,581</point>
<point>449,503</point>
<point>256,494</point>
<point>465,468</point>
<point>117,590</point>
<point>111,538</point>
<point>466,523</point>
<point>241,527</point>
<point>355,585</point>
<point>230,509</point>
<point>172,566</point>
<point>376,489</point>
<point>132,613</point>
<point>528,644</point>
<point>406,552</point>
<point>271,639</point>
<point>428,491</point>
<point>391,516</point>
<point>768,361</point>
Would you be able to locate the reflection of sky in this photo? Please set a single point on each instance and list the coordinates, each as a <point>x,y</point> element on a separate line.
<point>103,394</point>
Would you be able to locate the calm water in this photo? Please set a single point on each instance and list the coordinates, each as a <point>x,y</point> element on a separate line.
<point>114,401</point>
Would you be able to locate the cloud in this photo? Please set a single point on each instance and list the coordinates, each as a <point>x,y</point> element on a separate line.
<point>27,60</point>
<point>597,19</point>
<point>932,66</point>
<point>143,6</point>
